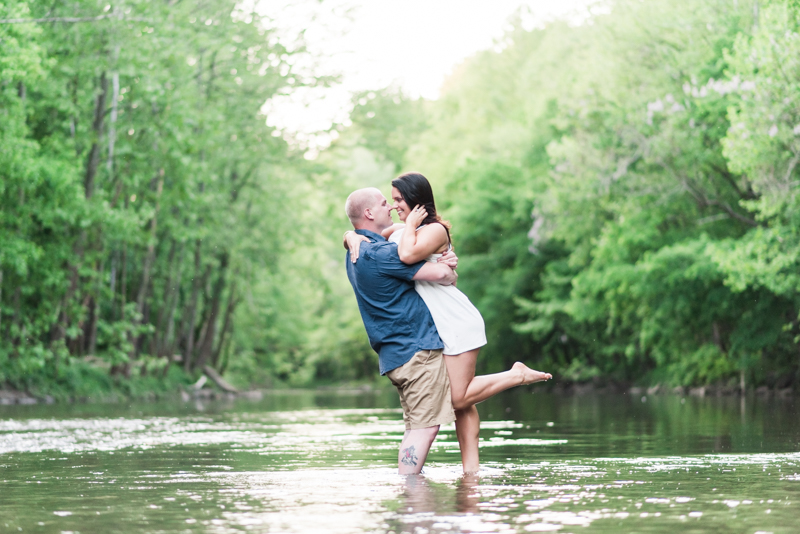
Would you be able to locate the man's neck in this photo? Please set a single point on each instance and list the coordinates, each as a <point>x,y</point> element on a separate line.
<point>370,227</point>
<point>369,234</point>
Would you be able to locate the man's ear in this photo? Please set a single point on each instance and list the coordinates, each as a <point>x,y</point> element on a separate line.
<point>368,214</point>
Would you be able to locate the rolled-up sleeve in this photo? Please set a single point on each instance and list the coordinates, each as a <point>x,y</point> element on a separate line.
<point>389,264</point>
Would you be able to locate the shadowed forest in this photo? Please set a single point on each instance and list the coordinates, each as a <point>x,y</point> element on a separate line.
<point>623,194</point>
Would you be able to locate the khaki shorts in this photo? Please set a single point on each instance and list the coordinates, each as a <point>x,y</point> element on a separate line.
<point>424,389</point>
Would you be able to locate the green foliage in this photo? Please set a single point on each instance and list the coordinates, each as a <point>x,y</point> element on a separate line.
<point>763,145</point>
<point>624,192</point>
<point>147,213</point>
<point>623,195</point>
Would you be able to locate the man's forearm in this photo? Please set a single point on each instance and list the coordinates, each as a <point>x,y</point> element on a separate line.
<point>438,273</point>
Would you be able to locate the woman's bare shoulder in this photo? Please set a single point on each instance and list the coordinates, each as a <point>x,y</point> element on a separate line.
<point>435,234</point>
<point>433,229</point>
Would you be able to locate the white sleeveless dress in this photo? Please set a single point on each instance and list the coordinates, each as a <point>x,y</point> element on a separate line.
<point>459,323</point>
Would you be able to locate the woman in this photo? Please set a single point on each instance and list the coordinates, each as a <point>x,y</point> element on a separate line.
<point>425,236</point>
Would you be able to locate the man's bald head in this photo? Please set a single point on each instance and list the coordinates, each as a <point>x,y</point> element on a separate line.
<point>359,201</point>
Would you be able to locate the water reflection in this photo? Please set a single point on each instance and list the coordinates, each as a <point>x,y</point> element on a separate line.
<point>294,464</point>
<point>428,506</point>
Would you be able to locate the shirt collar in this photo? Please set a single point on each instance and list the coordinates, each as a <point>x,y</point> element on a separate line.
<point>370,234</point>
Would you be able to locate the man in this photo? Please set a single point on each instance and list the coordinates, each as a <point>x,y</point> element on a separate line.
<point>400,327</point>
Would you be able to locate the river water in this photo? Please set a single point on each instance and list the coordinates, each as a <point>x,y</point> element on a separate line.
<point>304,461</point>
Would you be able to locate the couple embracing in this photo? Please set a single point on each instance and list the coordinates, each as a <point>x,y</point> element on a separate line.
<point>426,332</point>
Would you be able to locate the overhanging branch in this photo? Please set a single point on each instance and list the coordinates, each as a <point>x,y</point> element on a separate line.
<point>704,200</point>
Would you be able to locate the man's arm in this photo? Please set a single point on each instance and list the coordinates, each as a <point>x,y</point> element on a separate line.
<point>438,273</point>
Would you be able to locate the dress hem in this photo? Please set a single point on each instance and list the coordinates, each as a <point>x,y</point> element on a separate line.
<point>466,350</point>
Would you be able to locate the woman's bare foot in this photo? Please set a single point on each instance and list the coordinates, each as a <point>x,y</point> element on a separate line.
<point>529,376</point>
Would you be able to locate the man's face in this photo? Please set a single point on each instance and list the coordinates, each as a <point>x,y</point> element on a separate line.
<point>381,212</point>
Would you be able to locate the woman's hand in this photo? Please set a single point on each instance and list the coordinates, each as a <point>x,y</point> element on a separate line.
<point>449,258</point>
<point>416,217</point>
<point>352,242</point>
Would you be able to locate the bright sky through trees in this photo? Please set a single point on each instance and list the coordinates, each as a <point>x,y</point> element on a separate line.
<point>371,44</point>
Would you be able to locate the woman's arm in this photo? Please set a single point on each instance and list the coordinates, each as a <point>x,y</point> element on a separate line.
<point>352,242</point>
<point>416,246</point>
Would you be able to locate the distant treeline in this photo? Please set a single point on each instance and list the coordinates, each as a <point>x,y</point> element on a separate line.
<point>623,194</point>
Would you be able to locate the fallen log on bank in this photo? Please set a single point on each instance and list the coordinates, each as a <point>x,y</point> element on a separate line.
<point>211,373</point>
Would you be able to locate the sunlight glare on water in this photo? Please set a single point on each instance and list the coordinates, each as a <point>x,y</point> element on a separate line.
<point>305,462</point>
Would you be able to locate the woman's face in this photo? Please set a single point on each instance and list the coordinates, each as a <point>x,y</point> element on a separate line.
<point>400,204</point>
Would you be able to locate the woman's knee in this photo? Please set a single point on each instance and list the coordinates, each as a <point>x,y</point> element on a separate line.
<point>460,403</point>
<point>458,396</point>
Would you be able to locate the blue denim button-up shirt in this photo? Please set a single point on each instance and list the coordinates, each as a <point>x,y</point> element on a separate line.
<point>397,320</point>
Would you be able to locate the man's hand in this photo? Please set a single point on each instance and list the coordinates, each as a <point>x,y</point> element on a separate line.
<point>454,277</point>
<point>449,258</point>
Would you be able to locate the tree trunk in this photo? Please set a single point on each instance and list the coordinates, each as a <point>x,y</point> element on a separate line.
<point>151,249</point>
<point>224,356</point>
<point>17,317</point>
<point>226,324</point>
<point>146,268</point>
<point>157,336</point>
<point>90,329</point>
<point>91,172</point>
<point>123,273</point>
<point>168,348</point>
<point>145,320</point>
<point>94,153</point>
<point>112,124</point>
<point>93,330</point>
<point>188,328</point>
<point>202,335</point>
<point>207,345</point>
<point>123,282</point>
<point>94,312</point>
<point>60,330</point>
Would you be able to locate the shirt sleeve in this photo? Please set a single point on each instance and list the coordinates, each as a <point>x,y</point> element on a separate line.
<point>389,263</point>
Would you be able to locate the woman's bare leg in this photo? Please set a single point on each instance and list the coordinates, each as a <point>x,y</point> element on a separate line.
<point>468,426</point>
<point>461,370</point>
<point>467,390</point>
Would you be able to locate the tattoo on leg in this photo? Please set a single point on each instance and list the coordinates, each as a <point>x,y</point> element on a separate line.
<point>408,456</point>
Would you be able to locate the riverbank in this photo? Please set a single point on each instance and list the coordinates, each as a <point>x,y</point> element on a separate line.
<point>179,386</point>
<point>79,382</point>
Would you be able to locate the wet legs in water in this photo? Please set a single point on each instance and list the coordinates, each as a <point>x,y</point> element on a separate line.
<point>467,390</point>
<point>414,449</point>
